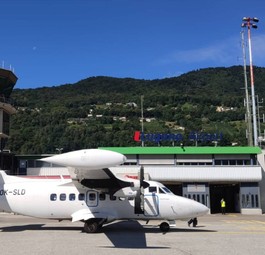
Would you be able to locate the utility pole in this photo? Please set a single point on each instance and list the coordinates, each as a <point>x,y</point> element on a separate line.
<point>142,116</point>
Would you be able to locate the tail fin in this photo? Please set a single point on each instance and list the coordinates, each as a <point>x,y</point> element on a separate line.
<point>4,205</point>
<point>2,177</point>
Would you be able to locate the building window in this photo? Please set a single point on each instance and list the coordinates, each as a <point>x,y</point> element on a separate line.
<point>247,162</point>
<point>225,162</point>
<point>257,201</point>
<point>250,195</point>
<point>232,162</point>
<point>240,162</point>
<point>217,162</point>
<point>203,199</point>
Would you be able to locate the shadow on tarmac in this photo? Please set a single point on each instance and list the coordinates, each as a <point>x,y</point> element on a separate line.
<point>131,234</point>
<point>123,234</point>
<point>38,227</point>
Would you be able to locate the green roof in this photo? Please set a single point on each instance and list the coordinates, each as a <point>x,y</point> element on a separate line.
<point>185,150</point>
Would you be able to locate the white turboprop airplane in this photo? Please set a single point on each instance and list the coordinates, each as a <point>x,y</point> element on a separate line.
<point>93,194</point>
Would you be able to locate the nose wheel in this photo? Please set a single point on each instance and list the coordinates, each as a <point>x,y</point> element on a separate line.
<point>164,227</point>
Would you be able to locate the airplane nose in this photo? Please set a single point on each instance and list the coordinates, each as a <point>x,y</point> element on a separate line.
<point>185,208</point>
<point>200,209</point>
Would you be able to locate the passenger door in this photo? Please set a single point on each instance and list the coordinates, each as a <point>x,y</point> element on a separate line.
<point>92,198</point>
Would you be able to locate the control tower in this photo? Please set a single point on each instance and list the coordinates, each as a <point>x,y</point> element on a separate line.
<point>7,82</point>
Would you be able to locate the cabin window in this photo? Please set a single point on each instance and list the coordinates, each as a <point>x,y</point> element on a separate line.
<point>112,197</point>
<point>81,196</point>
<point>102,196</point>
<point>62,197</point>
<point>92,196</point>
<point>152,189</point>
<point>72,197</point>
<point>53,197</point>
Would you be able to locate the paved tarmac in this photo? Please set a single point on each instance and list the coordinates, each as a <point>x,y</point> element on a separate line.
<point>215,234</point>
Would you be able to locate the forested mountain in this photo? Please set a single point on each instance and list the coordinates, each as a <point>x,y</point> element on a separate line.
<point>105,111</point>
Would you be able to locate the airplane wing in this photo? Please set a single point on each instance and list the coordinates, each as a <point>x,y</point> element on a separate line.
<point>102,180</point>
<point>90,168</point>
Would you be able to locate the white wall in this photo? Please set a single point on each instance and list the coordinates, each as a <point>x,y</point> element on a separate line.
<point>261,160</point>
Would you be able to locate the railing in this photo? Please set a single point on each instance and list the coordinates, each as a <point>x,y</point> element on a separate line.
<point>5,100</point>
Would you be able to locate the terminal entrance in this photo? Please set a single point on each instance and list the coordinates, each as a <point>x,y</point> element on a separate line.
<point>230,193</point>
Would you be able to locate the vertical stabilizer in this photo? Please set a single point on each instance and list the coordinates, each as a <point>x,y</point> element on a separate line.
<point>4,205</point>
<point>2,177</point>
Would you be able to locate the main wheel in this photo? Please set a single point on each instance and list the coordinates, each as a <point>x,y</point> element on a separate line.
<point>91,226</point>
<point>164,227</point>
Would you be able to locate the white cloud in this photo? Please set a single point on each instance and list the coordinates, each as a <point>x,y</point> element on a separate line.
<point>220,53</point>
<point>223,53</point>
<point>258,49</point>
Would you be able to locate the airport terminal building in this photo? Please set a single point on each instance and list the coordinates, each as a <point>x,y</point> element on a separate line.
<point>205,174</point>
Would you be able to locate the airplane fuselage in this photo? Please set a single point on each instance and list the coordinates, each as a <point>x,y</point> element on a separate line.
<point>57,197</point>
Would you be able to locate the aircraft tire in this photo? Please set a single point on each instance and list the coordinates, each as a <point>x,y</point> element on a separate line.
<point>164,227</point>
<point>91,226</point>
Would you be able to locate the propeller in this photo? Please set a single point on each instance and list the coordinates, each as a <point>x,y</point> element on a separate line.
<point>139,199</point>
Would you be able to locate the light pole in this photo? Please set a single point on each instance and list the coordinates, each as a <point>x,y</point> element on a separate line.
<point>250,22</point>
<point>249,122</point>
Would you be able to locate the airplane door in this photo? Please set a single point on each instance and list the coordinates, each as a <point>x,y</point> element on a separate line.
<point>151,205</point>
<point>92,198</point>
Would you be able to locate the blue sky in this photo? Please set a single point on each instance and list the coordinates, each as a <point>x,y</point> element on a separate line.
<point>54,42</point>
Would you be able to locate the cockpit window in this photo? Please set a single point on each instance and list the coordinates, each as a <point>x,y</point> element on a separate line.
<point>152,189</point>
<point>161,191</point>
<point>166,190</point>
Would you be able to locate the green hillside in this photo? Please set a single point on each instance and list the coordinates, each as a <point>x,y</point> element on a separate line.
<point>105,111</point>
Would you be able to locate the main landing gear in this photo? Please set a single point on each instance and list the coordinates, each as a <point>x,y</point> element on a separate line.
<point>93,225</point>
<point>164,227</point>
